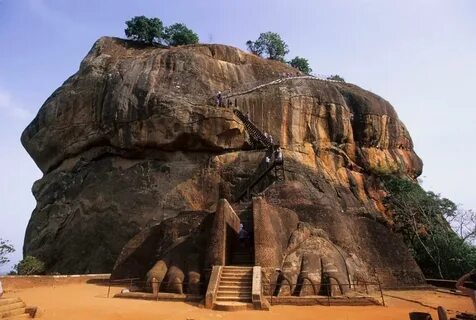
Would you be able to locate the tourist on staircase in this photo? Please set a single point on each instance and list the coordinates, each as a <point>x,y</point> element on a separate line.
<point>219,99</point>
<point>242,236</point>
<point>278,156</point>
<point>268,161</point>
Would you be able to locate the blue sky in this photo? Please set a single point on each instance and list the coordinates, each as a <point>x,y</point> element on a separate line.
<point>418,54</point>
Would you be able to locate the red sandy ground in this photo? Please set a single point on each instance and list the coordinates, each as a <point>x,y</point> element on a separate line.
<point>88,301</point>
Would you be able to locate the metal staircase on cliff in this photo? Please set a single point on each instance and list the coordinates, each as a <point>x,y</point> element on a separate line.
<point>260,141</point>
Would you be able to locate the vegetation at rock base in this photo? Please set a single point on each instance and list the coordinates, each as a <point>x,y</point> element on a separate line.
<point>269,44</point>
<point>30,266</point>
<point>422,217</point>
<point>178,34</point>
<point>141,28</point>
<point>5,249</point>
<point>152,31</point>
<point>302,64</point>
<point>336,77</point>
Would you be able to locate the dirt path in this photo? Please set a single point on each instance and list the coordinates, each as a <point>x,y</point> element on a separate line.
<point>88,301</point>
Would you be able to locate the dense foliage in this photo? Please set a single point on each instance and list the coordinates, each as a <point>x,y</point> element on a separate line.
<point>421,217</point>
<point>301,64</point>
<point>5,249</point>
<point>152,31</point>
<point>269,44</point>
<point>336,77</point>
<point>178,34</point>
<point>30,266</point>
<point>141,28</point>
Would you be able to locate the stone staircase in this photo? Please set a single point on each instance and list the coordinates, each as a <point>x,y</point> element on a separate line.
<point>234,288</point>
<point>13,308</point>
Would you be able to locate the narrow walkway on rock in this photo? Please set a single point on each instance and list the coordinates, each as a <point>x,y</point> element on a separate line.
<point>280,80</point>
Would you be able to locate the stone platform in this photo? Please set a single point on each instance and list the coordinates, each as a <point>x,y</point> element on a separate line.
<point>324,301</point>
<point>161,296</point>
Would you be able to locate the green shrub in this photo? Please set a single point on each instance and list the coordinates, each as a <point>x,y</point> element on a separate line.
<point>30,266</point>
<point>301,64</point>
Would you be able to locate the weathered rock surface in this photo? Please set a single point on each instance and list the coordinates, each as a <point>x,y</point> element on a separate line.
<point>133,139</point>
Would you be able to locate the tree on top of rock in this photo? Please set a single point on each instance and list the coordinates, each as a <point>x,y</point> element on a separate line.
<point>270,44</point>
<point>141,28</point>
<point>301,64</point>
<point>178,34</point>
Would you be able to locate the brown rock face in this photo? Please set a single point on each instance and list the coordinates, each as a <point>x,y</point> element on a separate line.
<point>133,139</point>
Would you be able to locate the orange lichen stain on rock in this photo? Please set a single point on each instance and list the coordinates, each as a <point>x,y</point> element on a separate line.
<point>359,185</point>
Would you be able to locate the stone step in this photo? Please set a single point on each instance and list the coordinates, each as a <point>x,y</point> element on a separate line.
<point>235,287</point>
<point>232,306</point>
<point>236,277</point>
<point>248,298</point>
<point>244,269</point>
<point>234,283</point>
<point>237,272</point>
<point>11,313</point>
<point>20,316</point>
<point>233,297</point>
<point>4,301</point>
<point>12,306</point>
<point>240,292</point>
<point>239,275</point>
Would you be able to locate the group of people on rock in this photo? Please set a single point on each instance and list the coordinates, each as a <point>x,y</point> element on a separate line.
<point>290,74</point>
<point>220,101</point>
<point>277,156</point>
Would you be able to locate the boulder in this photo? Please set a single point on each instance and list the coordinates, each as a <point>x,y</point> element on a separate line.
<point>135,155</point>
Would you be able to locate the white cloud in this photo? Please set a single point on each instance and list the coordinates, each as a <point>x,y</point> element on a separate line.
<point>11,108</point>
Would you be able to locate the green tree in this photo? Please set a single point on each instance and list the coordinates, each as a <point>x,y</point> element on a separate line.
<point>301,64</point>
<point>141,28</point>
<point>336,77</point>
<point>178,34</point>
<point>421,217</point>
<point>270,44</point>
<point>30,266</point>
<point>5,249</point>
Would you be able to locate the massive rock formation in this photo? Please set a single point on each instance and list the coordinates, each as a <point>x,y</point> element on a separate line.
<point>134,139</point>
